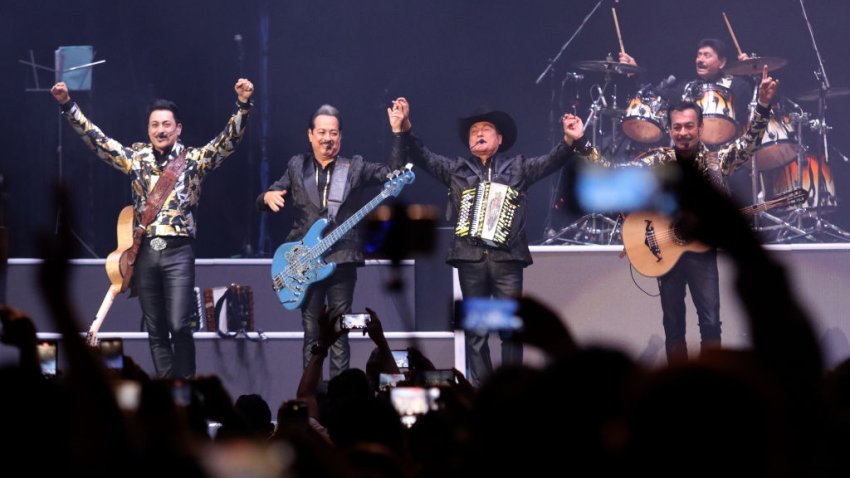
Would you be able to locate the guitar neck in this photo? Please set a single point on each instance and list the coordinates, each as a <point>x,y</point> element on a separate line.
<point>346,226</point>
<point>91,336</point>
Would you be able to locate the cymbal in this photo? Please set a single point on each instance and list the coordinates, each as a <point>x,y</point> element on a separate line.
<point>754,66</point>
<point>814,95</point>
<point>608,67</point>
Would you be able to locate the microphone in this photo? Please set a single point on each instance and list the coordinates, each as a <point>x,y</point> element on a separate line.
<point>839,153</point>
<point>795,105</point>
<point>573,76</point>
<point>665,83</point>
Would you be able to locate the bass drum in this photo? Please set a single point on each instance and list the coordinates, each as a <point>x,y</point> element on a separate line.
<point>645,120</point>
<point>816,179</point>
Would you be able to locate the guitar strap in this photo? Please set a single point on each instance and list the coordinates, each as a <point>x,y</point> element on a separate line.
<point>155,200</point>
<point>339,180</point>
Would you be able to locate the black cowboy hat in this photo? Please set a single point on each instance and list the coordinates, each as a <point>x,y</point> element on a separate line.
<point>504,125</point>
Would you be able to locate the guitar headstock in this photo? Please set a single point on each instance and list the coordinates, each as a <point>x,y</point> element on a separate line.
<point>398,179</point>
<point>794,197</point>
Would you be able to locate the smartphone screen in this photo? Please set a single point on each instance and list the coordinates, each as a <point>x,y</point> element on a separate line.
<point>47,357</point>
<point>400,357</point>
<point>355,321</point>
<point>482,314</point>
<point>439,378</point>
<point>624,189</point>
<point>112,351</point>
<point>181,391</point>
<point>387,380</point>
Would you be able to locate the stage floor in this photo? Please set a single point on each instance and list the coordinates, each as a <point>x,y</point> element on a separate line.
<point>599,297</point>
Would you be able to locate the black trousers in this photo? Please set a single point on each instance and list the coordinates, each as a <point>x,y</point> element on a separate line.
<point>488,278</point>
<point>165,281</point>
<point>337,291</point>
<point>697,271</point>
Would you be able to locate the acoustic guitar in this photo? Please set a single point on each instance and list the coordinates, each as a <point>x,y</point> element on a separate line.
<point>653,245</point>
<point>117,271</point>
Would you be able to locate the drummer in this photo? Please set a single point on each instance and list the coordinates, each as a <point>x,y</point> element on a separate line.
<point>710,60</point>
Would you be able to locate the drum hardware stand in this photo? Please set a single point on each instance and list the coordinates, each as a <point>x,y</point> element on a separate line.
<point>819,225</point>
<point>550,71</point>
<point>593,228</point>
<point>590,229</point>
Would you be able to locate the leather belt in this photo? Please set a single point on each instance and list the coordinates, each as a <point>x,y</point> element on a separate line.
<point>160,243</point>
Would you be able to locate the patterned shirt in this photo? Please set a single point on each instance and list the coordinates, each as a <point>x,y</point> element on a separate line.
<point>712,164</point>
<point>139,161</point>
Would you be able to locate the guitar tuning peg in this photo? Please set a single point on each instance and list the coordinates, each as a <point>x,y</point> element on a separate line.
<point>408,166</point>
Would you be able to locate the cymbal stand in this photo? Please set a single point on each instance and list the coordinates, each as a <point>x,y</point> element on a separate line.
<point>819,226</point>
<point>793,221</point>
<point>593,228</point>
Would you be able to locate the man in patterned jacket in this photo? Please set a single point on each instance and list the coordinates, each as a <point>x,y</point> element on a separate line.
<point>165,266</point>
<point>698,271</point>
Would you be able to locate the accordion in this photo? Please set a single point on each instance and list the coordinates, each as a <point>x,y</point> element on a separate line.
<point>223,309</point>
<point>487,213</point>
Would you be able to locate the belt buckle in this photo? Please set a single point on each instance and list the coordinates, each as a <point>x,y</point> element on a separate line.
<point>158,244</point>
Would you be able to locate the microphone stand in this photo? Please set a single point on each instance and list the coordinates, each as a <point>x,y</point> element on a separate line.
<point>563,48</point>
<point>550,71</point>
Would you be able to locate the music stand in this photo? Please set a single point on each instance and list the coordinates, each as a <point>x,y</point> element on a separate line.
<point>72,65</point>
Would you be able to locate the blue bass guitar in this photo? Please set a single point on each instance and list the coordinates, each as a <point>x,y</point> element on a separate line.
<point>297,265</point>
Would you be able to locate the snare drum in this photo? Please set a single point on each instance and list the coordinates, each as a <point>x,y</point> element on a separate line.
<point>778,145</point>
<point>718,112</point>
<point>645,120</point>
<point>817,180</point>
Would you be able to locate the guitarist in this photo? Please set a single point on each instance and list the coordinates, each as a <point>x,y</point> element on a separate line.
<point>698,271</point>
<point>484,270</point>
<point>323,184</point>
<point>165,265</point>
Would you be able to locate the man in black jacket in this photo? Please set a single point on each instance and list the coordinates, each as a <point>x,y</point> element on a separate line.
<point>326,185</point>
<point>487,267</point>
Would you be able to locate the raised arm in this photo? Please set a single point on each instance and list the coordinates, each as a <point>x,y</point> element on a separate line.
<point>105,147</point>
<point>407,148</point>
<point>744,147</point>
<point>223,145</point>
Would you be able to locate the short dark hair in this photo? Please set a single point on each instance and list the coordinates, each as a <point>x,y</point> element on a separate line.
<point>160,104</point>
<point>682,106</point>
<point>716,44</point>
<point>326,110</point>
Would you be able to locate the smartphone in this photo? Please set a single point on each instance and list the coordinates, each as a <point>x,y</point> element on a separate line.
<point>181,392</point>
<point>483,314</point>
<point>354,321</point>
<point>48,357</point>
<point>294,411</point>
<point>401,361</point>
<point>388,380</point>
<point>112,351</point>
<point>127,394</point>
<point>439,378</point>
<point>593,188</point>
<point>411,402</point>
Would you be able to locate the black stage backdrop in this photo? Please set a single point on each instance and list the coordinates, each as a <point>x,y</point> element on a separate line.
<point>446,57</point>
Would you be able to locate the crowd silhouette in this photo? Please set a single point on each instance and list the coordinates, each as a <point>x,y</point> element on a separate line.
<point>772,409</point>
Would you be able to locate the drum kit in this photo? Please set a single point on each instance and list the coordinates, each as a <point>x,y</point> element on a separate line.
<point>782,162</point>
